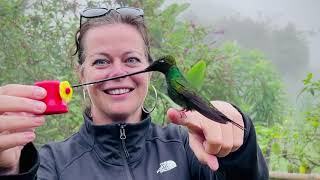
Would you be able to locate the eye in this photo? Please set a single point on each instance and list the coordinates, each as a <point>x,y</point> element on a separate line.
<point>132,60</point>
<point>101,62</point>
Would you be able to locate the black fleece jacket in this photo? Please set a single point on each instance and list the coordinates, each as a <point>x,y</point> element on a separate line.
<point>136,152</point>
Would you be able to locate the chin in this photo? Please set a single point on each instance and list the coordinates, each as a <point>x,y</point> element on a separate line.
<point>121,114</point>
<point>119,117</point>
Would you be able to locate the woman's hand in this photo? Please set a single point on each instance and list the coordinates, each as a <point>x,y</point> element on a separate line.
<point>18,106</point>
<point>209,139</point>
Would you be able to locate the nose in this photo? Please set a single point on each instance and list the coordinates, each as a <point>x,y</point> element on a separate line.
<point>117,70</point>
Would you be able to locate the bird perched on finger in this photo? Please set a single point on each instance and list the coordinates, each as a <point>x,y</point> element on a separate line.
<point>182,93</point>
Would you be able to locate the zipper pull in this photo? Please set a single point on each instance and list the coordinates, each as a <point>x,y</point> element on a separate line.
<point>122,132</point>
<point>123,138</point>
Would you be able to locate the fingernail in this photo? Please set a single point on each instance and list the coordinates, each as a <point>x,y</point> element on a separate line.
<point>40,106</point>
<point>39,120</point>
<point>213,166</point>
<point>212,162</point>
<point>40,92</point>
<point>29,135</point>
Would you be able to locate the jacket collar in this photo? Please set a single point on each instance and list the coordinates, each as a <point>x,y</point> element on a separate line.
<point>105,139</point>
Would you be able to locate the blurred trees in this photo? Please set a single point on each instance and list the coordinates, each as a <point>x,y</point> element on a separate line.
<point>286,47</point>
<point>293,145</point>
<point>38,42</point>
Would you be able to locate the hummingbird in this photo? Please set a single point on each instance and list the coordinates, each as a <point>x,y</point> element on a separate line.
<point>182,93</point>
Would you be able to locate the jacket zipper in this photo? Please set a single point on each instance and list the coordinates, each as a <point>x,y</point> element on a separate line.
<point>125,154</point>
<point>123,138</point>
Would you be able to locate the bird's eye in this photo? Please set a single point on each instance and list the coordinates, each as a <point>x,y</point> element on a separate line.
<point>162,61</point>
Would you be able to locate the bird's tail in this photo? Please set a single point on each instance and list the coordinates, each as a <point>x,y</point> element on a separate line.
<point>215,115</point>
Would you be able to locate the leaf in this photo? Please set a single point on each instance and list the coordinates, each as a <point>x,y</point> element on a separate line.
<point>302,91</point>
<point>276,148</point>
<point>196,74</point>
<point>308,79</point>
<point>315,124</point>
<point>312,92</point>
<point>302,169</point>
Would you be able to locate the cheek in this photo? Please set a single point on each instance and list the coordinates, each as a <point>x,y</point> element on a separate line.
<point>92,89</point>
<point>91,75</point>
<point>142,82</point>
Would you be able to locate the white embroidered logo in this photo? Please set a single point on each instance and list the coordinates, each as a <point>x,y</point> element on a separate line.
<point>166,166</point>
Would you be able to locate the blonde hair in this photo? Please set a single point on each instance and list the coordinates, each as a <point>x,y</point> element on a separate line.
<point>113,17</point>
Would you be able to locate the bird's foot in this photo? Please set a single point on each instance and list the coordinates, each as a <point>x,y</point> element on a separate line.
<point>183,114</point>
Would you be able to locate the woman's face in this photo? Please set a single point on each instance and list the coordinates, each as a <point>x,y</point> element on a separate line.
<point>114,50</point>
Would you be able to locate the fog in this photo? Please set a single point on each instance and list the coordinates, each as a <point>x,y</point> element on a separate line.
<point>304,15</point>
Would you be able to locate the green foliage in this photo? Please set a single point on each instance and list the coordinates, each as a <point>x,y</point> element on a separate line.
<point>310,86</point>
<point>196,74</point>
<point>295,142</point>
<point>248,80</point>
<point>285,47</point>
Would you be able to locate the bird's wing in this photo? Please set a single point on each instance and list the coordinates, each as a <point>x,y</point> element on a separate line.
<point>203,106</point>
<point>196,102</point>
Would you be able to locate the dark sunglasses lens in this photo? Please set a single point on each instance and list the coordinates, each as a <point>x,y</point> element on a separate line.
<point>130,11</point>
<point>88,13</point>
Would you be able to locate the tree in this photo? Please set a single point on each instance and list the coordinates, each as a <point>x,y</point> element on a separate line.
<point>286,47</point>
<point>293,145</point>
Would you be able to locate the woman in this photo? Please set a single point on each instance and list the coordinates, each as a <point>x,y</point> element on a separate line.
<point>118,139</point>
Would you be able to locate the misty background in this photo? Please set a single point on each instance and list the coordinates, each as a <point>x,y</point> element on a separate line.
<point>250,23</point>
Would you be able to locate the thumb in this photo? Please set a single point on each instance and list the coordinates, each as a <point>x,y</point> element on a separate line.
<point>199,151</point>
<point>212,162</point>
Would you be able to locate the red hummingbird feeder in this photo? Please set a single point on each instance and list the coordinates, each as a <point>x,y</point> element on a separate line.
<point>58,95</point>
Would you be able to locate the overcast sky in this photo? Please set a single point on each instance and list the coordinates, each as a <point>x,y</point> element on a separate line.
<point>304,14</point>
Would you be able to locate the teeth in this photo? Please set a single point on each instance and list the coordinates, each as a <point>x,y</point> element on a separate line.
<point>118,91</point>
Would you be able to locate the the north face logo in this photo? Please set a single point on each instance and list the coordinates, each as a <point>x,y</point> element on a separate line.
<point>166,166</point>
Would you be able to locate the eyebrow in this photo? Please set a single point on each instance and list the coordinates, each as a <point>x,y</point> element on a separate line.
<point>130,52</point>
<point>124,54</point>
<point>100,53</point>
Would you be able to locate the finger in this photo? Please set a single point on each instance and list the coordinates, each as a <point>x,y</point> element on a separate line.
<point>10,123</point>
<point>19,113</point>
<point>185,119</point>
<point>238,135</point>
<point>227,136</point>
<point>8,141</point>
<point>26,91</point>
<point>24,130</point>
<point>176,116</point>
<point>201,154</point>
<point>21,104</point>
<point>24,114</point>
<point>213,136</point>
<point>233,114</point>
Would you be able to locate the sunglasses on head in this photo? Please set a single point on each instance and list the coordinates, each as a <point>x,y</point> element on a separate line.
<point>99,12</point>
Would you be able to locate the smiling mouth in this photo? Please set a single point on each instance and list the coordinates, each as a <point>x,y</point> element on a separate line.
<point>118,91</point>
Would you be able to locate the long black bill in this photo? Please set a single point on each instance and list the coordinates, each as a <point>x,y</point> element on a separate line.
<point>112,78</point>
